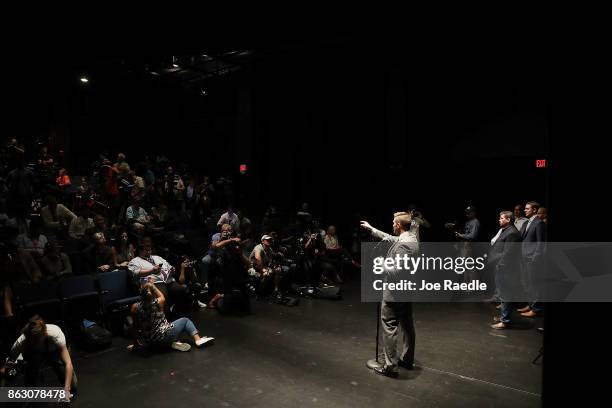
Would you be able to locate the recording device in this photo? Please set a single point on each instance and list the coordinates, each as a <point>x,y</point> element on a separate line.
<point>125,186</point>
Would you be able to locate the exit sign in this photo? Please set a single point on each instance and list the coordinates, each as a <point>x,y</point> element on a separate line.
<point>540,164</point>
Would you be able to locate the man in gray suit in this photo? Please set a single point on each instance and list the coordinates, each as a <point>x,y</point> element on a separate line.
<point>396,317</point>
<point>533,234</point>
<point>505,257</point>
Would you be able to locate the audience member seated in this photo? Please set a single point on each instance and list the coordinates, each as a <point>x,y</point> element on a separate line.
<point>186,275</point>
<point>42,344</point>
<point>123,250</point>
<point>153,330</point>
<point>335,251</point>
<point>98,257</point>
<point>271,220</point>
<point>138,189</point>
<point>82,225</point>
<point>147,267</point>
<point>316,265</point>
<point>101,226</point>
<point>21,267</point>
<point>137,218</point>
<point>62,180</point>
<point>56,217</point>
<point>232,293</point>
<point>218,241</point>
<point>54,264</point>
<point>230,218</point>
<point>246,226</point>
<point>122,166</point>
<point>174,190</point>
<point>262,261</point>
<point>34,241</point>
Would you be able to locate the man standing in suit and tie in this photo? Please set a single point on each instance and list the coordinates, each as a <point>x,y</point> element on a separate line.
<point>396,317</point>
<point>505,257</point>
<point>533,234</point>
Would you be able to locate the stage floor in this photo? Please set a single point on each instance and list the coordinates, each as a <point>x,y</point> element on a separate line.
<point>314,354</point>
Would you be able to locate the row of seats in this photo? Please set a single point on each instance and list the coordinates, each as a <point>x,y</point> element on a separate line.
<point>76,296</point>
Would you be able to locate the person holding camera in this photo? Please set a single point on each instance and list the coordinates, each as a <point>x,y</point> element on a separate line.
<point>317,265</point>
<point>218,241</point>
<point>186,275</point>
<point>41,344</point>
<point>153,330</point>
<point>262,260</point>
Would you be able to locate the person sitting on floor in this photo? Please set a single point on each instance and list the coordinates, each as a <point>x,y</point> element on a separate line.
<point>153,330</point>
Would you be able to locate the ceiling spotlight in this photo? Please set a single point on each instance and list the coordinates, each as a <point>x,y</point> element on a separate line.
<point>203,92</point>
<point>84,79</point>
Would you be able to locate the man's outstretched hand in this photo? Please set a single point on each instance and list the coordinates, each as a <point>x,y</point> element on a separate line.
<point>366,225</point>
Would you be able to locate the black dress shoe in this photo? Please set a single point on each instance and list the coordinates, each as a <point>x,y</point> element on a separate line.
<point>386,371</point>
<point>406,365</point>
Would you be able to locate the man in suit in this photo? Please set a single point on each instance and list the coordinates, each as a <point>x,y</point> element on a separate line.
<point>533,234</point>
<point>505,257</point>
<point>396,317</point>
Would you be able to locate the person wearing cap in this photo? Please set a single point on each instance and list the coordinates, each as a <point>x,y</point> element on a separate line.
<point>261,258</point>
<point>471,232</point>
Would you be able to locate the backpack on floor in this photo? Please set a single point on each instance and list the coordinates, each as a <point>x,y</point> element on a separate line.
<point>94,337</point>
<point>328,292</point>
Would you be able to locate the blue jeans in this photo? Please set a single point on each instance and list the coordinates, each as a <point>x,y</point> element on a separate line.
<point>505,312</point>
<point>182,325</point>
<point>204,269</point>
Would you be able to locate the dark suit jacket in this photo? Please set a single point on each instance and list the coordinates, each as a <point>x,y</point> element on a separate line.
<point>506,252</point>
<point>505,259</point>
<point>533,240</point>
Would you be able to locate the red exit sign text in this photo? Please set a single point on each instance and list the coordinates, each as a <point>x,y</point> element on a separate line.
<point>541,163</point>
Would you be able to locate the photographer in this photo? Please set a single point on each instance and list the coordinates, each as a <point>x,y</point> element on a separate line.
<point>317,266</point>
<point>153,329</point>
<point>218,241</point>
<point>186,275</point>
<point>42,343</point>
<point>262,260</point>
<point>232,264</point>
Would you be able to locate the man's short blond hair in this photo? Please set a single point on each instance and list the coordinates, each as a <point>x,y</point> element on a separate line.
<point>404,219</point>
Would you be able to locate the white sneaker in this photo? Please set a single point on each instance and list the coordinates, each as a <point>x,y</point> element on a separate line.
<point>201,305</point>
<point>204,340</point>
<point>180,346</point>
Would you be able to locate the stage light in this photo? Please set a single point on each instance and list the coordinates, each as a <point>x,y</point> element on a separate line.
<point>203,92</point>
<point>243,168</point>
<point>84,79</point>
<point>175,65</point>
